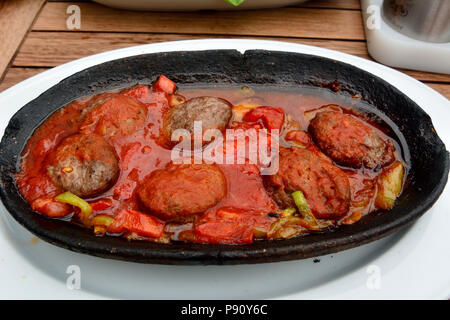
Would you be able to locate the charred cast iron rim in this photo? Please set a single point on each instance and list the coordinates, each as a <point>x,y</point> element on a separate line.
<point>429,163</point>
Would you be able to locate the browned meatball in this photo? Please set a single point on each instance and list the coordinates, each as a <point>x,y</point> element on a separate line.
<point>325,186</point>
<point>182,190</point>
<point>84,164</point>
<point>349,141</point>
<point>213,112</point>
<point>112,115</point>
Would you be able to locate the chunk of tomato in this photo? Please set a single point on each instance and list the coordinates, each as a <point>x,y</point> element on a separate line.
<point>272,118</point>
<point>230,232</point>
<point>300,137</point>
<point>101,204</point>
<point>51,208</point>
<point>140,223</point>
<point>164,84</point>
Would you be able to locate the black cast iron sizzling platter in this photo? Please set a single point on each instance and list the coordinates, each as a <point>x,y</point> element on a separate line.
<point>427,175</point>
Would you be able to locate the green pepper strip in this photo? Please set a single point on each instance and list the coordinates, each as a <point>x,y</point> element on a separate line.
<point>235,2</point>
<point>298,145</point>
<point>303,208</point>
<point>101,223</point>
<point>85,208</point>
<point>288,212</point>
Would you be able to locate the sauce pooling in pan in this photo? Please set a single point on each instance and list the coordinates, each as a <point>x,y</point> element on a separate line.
<point>211,165</point>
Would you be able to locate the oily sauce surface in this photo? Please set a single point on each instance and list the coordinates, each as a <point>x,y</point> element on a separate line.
<point>247,206</point>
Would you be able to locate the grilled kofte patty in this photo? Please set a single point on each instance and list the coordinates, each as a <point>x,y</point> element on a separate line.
<point>84,164</point>
<point>117,114</point>
<point>214,113</point>
<point>182,190</point>
<point>325,186</point>
<point>350,141</point>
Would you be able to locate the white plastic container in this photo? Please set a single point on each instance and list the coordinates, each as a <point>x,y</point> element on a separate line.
<point>390,47</point>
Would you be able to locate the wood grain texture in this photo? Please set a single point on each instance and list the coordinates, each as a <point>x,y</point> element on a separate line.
<point>284,22</point>
<point>49,49</point>
<point>16,17</point>
<point>334,4</point>
<point>332,24</point>
<point>16,75</point>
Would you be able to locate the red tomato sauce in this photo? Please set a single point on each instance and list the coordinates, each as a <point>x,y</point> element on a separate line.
<point>247,206</point>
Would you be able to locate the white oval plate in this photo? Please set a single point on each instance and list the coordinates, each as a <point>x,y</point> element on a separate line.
<point>194,5</point>
<point>413,263</point>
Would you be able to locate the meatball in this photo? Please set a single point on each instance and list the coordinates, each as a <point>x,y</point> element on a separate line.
<point>349,141</point>
<point>118,114</point>
<point>84,164</point>
<point>325,186</point>
<point>215,113</point>
<point>182,190</point>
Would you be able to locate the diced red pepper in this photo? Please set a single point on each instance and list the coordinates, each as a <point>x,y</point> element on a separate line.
<point>51,208</point>
<point>101,204</point>
<point>246,126</point>
<point>272,118</point>
<point>164,84</point>
<point>300,137</point>
<point>138,92</point>
<point>230,232</point>
<point>140,223</point>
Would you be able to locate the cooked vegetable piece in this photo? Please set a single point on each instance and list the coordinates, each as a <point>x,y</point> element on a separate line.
<point>235,2</point>
<point>288,227</point>
<point>239,111</point>
<point>176,99</point>
<point>259,233</point>
<point>137,222</point>
<point>246,91</point>
<point>51,208</point>
<point>85,208</point>
<point>164,84</point>
<point>389,185</point>
<point>354,217</point>
<point>303,208</point>
<point>101,204</point>
<point>83,147</point>
<point>224,232</point>
<point>298,138</point>
<point>288,212</point>
<point>272,118</point>
<point>101,223</point>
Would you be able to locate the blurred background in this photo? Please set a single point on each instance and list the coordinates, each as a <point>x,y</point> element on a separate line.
<point>37,35</point>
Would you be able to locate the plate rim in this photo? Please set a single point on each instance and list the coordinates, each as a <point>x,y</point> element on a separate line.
<point>311,246</point>
<point>53,76</point>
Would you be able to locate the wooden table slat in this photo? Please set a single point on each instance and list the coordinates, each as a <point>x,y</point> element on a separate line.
<point>284,22</point>
<point>16,75</point>
<point>332,24</point>
<point>16,17</point>
<point>333,4</point>
<point>49,49</point>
